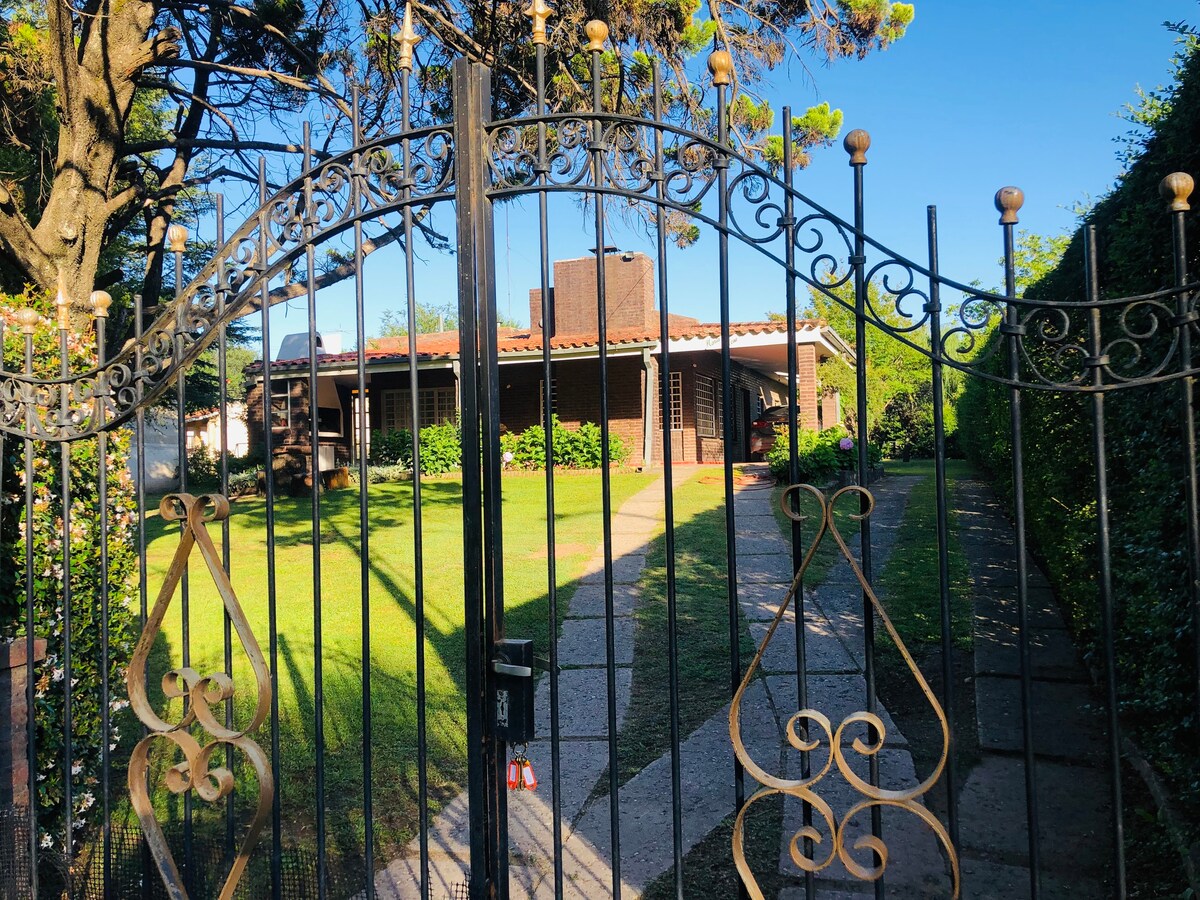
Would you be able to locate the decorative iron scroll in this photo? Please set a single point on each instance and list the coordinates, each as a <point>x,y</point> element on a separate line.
<point>806,789</point>
<point>202,693</point>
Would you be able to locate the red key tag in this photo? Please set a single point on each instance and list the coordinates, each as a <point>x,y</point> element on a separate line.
<point>514,775</point>
<point>528,779</point>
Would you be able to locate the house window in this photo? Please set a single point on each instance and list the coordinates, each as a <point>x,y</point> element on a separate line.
<point>281,405</point>
<point>434,406</point>
<point>676,403</point>
<point>708,407</point>
<point>542,398</point>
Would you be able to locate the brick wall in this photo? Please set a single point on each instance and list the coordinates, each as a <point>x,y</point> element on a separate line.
<point>14,762</point>
<point>629,293</point>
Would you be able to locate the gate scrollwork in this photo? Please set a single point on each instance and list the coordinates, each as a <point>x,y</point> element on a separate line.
<point>800,736</point>
<point>202,693</point>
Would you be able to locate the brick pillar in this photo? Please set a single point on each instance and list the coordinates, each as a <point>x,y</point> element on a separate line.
<point>806,385</point>
<point>14,766</point>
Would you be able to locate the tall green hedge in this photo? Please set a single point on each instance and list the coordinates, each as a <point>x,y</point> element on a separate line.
<point>1146,469</point>
<point>51,684</point>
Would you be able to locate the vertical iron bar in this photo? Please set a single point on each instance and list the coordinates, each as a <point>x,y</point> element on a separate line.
<point>1008,201</point>
<point>364,530</point>
<point>139,437</point>
<point>314,471</point>
<point>664,379</point>
<point>788,223</point>
<point>67,598</point>
<point>598,149</point>
<point>30,628</point>
<point>418,525</point>
<point>1178,190</point>
<point>934,311</point>
<point>264,250</point>
<point>105,688</point>
<point>721,164</point>
<point>468,144</point>
<point>858,162</point>
<point>543,167</point>
<point>1104,550</point>
<point>226,550</point>
<point>184,592</point>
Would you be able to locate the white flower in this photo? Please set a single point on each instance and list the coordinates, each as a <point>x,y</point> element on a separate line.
<point>76,768</point>
<point>47,842</point>
<point>57,675</point>
<point>86,801</point>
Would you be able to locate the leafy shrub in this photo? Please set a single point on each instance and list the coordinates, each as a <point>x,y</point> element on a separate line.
<point>243,482</point>
<point>389,448</point>
<point>441,448</point>
<point>819,454</point>
<point>383,474</point>
<point>51,683</point>
<point>574,448</point>
<point>203,469</point>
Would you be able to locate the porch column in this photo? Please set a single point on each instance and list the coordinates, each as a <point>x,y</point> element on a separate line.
<point>648,408</point>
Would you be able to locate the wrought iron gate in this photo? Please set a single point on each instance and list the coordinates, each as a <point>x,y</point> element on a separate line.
<point>1085,349</point>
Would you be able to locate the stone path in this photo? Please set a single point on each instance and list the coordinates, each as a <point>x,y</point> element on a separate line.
<point>833,641</point>
<point>1072,780</point>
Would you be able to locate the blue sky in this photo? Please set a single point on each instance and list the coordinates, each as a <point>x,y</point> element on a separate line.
<point>978,95</point>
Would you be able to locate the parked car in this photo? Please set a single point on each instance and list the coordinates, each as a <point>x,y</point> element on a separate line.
<point>762,432</point>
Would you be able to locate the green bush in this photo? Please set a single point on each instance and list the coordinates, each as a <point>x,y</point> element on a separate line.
<point>203,470</point>
<point>390,448</point>
<point>382,474</point>
<point>574,448</point>
<point>48,584</point>
<point>819,454</point>
<point>243,482</point>
<point>441,448</point>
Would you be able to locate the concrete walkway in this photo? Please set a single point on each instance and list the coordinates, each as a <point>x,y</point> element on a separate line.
<point>1073,798</point>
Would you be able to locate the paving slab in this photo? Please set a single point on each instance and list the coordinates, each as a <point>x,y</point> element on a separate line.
<point>824,651</point>
<point>582,702</point>
<point>1000,605</point>
<point>985,880</point>
<point>1053,656</point>
<point>588,601</point>
<point>1068,720</point>
<point>757,523</point>
<point>758,568</point>
<point>626,569</point>
<point>756,544</point>
<point>583,642</point>
<point>837,696</point>
<point>1073,807</point>
<point>760,600</point>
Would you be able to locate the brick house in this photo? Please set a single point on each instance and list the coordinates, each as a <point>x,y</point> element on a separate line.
<point>758,355</point>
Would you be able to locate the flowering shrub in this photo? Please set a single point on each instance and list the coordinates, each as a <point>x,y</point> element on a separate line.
<point>573,448</point>
<point>49,582</point>
<point>820,454</point>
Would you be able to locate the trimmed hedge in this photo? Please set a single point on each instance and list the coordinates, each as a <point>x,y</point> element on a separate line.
<point>1155,639</point>
<point>820,454</point>
<point>574,448</point>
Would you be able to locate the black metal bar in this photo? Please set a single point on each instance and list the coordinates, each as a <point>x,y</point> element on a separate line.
<point>664,384</point>
<point>269,490</point>
<point>30,633</point>
<point>139,438</point>
<point>934,310</point>
<point>418,526</point>
<point>721,164</point>
<point>1104,552</point>
<point>67,599</point>
<point>226,548</point>
<point>610,650</point>
<point>101,322</point>
<point>858,163</point>
<point>543,167</point>
<point>788,223</point>
<point>184,591</point>
<point>468,137</point>
<point>1187,317</point>
<point>1008,200</point>
<point>364,529</point>
<point>314,471</point>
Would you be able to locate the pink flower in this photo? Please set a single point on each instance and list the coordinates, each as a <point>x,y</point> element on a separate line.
<point>846,443</point>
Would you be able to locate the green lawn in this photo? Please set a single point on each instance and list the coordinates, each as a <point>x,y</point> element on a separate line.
<point>392,630</point>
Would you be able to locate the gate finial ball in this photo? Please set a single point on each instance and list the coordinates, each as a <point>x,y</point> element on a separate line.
<point>720,63</point>
<point>1008,201</point>
<point>597,33</point>
<point>177,237</point>
<point>857,143</point>
<point>28,319</point>
<point>1176,188</point>
<point>101,301</point>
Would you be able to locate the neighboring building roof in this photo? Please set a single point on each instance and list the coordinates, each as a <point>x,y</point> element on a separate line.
<point>681,336</point>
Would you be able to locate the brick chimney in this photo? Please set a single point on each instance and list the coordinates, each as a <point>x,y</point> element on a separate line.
<point>629,292</point>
